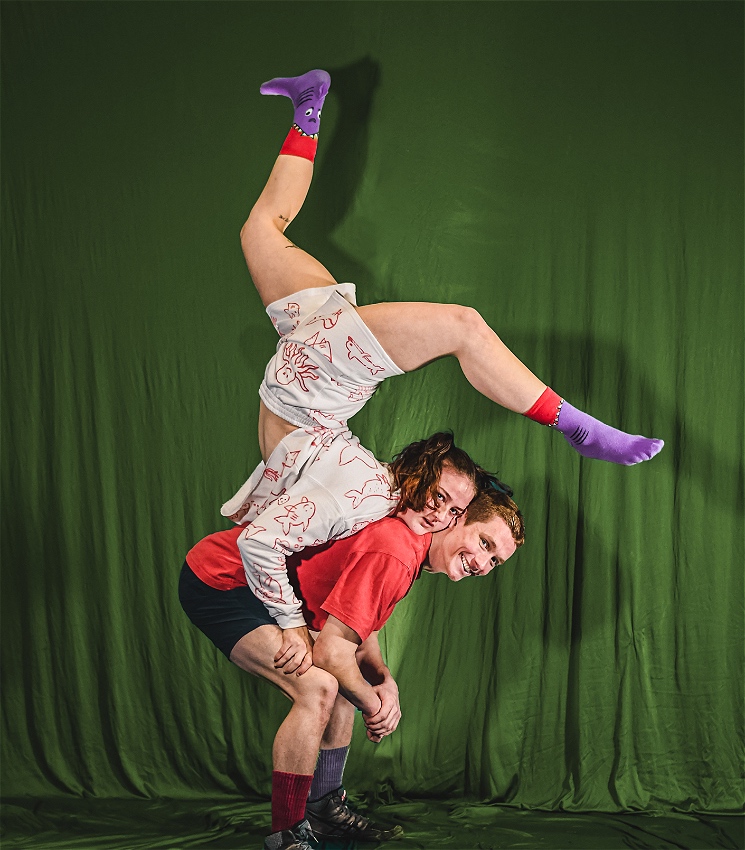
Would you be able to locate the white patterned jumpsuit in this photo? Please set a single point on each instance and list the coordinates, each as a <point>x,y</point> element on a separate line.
<point>319,483</point>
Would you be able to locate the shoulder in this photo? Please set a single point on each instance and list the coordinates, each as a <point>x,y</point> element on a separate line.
<point>388,528</point>
<point>391,536</point>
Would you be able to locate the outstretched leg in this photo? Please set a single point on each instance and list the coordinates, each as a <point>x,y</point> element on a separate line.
<point>277,266</point>
<point>414,333</point>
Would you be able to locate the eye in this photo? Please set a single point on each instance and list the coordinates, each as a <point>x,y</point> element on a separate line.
<point>308,113</point>
<point>319,113</point>
<point>440,497</point>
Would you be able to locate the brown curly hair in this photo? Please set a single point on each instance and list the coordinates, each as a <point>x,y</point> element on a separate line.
<point>417,467</point>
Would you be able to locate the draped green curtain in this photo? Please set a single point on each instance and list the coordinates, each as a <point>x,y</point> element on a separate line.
<point>575,171</point>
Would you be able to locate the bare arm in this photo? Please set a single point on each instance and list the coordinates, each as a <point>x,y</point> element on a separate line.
<point>335,651</point>
<point>376,672</point>
<point>339,651</point>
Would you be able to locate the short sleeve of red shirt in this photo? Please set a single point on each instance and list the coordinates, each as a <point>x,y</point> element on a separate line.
<point>367,591</point>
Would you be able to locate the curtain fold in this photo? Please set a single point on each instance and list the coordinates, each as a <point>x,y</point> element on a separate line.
<point>574,171</point>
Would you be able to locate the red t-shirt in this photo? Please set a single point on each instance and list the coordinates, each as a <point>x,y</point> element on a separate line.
<point>358,579</point>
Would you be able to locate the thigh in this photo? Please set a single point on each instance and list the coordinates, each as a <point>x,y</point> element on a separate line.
<point>255,654</point>
<point>277,266</point>
<point>413,333</point>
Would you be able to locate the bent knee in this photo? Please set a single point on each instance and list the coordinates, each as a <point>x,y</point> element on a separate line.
<point>328,689</point>
<point>258,227</point>
<point>318,689</point>
<point>467,323</point>
<point>252,230</point>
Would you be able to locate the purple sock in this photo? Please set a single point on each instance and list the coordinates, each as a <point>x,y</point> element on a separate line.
<point>307,94</point>
<point>594,439</point>
<point>329,772</point>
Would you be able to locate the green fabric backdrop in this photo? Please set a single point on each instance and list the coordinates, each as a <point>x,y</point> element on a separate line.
<point>575,171</point>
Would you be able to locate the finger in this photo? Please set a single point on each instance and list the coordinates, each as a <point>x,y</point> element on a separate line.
<point>381,730</point>
<point>289,648</point>
<point>290,663</point>
<point>291,667</point>
<point>377,724</point>
<point>384,726</point>
<point>306,664</point>
<point>285,649</point>
<point>379,715</point>
<point>382,717</point>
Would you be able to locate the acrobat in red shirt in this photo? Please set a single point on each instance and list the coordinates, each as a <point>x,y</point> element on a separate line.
<point>358,579</point>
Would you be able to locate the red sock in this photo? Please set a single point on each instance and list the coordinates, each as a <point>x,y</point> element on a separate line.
<point>546,409</point>
<point>289,796</point>
<point>298,144</point>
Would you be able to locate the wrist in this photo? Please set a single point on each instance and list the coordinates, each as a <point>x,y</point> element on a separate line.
<point>389,682</point>
<point>371,705</point>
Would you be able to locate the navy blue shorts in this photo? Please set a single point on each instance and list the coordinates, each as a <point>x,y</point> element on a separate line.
<point>225,616</point>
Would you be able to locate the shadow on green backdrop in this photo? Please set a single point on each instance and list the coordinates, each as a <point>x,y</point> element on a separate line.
<point>574,171</point>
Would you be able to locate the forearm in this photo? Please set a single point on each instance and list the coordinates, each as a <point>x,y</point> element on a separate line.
<point>307,514</point>
<point>337,656</point>
<point>265,566</point>
<point>370,662</point>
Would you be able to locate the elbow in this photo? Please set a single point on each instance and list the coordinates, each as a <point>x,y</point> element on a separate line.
<point>323,656</point>
<point>331,655</point>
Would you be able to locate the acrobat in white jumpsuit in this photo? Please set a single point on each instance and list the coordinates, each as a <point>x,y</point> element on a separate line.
<point>319,483</point>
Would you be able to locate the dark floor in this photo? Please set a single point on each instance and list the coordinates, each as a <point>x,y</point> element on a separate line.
<point>237,825</point>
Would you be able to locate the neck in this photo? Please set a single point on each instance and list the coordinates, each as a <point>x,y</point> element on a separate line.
<point>434,551</point>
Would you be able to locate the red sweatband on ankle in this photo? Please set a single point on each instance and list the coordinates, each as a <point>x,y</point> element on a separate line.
<point>546,409</point>
<point>298,144</point>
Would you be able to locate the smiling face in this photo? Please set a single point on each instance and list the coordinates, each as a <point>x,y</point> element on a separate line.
<point>470,550</point>
<point>454,493</point>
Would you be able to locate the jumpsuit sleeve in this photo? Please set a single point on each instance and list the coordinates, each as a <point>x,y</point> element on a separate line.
<point>307,515</point>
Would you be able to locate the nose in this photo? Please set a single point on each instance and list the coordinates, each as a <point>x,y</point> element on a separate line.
<point>483,562</point>
<point>442,516</point>
<point>439,516</point>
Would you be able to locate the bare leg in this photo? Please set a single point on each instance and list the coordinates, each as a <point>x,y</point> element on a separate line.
<point>338,732</point>
<point>414,333</point>
<point>277,266</point>
<point>411,333</point>
<point>335,743</point>
<point>328,810</point>
<point>299,737</point>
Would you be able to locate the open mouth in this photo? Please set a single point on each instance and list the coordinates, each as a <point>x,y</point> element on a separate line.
<point>303,133</point>
<point>466,569</point>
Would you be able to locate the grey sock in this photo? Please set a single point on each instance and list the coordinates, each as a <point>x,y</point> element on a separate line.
<point>329,772</point>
